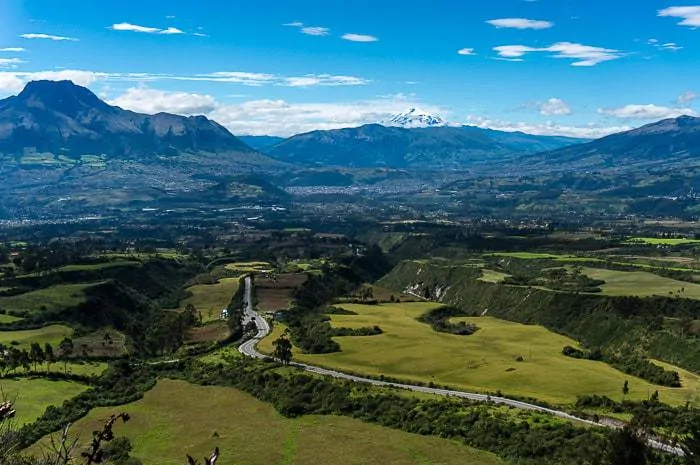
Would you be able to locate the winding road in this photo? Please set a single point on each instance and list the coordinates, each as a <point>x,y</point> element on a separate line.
<point>248,348</point>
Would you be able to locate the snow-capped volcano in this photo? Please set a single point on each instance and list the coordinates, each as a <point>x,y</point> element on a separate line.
<point>415,118</point>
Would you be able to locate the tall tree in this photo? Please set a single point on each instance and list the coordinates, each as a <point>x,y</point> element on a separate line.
<point>66,347</point>
<point>49,356</point>
<point>36,354</point>
<point>282,349</point>
<point>626,447</point>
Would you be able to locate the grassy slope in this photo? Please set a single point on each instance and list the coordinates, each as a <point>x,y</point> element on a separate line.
<point>251,432</point>
<point>32,396</point>
<point>52,334</point>
<point>641,283</point>
<point>210,299</point>
<point>411,350</point>
<point>56,297</point>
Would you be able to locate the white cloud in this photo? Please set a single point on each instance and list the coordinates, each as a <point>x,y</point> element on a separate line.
<point>10,84</point>
<point>651,112</point>
<point>309,30</point>
<point>13,49</point>
<point>170,31</point>
<point>359,38</point>
<point>554,106</point>
<point>9,62</point>
<point>144,29</point>
<point>151,101</point>
<point>671,46</point>
<point>232,77</point>
<point>466,51</point>
<point>48,37</point>
<point>315,31</point>
<point>583,55</point>
<point>548,128</point>
<point>664,46</point>
<point>687,97</point>
<point>689,14</point>
<point>520,23</point>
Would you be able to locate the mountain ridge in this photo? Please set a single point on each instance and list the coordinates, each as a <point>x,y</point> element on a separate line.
<point>438,147</point>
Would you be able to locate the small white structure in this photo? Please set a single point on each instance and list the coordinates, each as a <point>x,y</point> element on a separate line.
<point>224,314</point>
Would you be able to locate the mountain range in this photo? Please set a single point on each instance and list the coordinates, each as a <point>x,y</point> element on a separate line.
<point>59,140</point>
<point>669,142</point>
<point>435,147</point>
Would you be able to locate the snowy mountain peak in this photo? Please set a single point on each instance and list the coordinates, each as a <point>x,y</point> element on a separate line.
<point>415,118</point>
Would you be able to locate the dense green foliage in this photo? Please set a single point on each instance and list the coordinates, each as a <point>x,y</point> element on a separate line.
<point>439,320</point>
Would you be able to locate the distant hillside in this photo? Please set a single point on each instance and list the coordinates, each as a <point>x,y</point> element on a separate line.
<point>668,142</point>
<point>260,142</point>
<point>60,141</point>
<point>374,145</point>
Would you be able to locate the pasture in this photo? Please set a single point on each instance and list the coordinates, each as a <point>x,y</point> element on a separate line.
<point>486,361</point>
<point>100,266</point>
<point>49,299</point>
<point>210,299</point>
<point>641,283</point>
<point>52,334</point>
<point>249,431</point>
<point>662,241</point>
<point>274,293</point>
<point>31,396</point>
<point>249,267</point>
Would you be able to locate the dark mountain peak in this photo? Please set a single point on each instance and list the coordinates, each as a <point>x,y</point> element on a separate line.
<point>60,96</point>
<point>62,117</point>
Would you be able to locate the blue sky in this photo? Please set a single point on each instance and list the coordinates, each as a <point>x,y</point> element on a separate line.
<point>279,67</point>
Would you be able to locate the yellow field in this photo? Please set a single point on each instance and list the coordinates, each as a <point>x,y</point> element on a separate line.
<point>641,283</point>
<point>249,267</point>
<point>251,432</point>
<point>484,361</point>
<point>210,299</point>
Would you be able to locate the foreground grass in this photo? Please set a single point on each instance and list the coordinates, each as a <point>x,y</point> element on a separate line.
<point>641,283</point>
<point>484,361</point>
<point>176,418</point>
<point>32,396</point>
<point>52,334</point>
<point>51,298</point>
<point>210,299</point>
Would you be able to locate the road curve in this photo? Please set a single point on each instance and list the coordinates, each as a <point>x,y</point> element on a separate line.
<point>248,348</point>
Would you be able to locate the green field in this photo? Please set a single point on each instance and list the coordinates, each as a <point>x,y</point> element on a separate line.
<point>641,283</point>
<point>660,241</point>
<point>31,396</point>
<point>100,266</point>
<point>491,276</point>
<point>249,267</point>
<point>8,319</point>
<point>251,432</point>
<point>484,361</point>
<point>52,298</point>
<point>543,256</point>
<point>52,334</point>
<point>210,299</point>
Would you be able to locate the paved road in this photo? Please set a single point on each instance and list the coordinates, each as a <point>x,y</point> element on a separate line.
<point>249,349</point>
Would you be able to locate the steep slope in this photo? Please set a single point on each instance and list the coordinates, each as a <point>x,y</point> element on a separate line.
<point>669,142</point>
<point>60,117</point>
<point>375,145</point>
